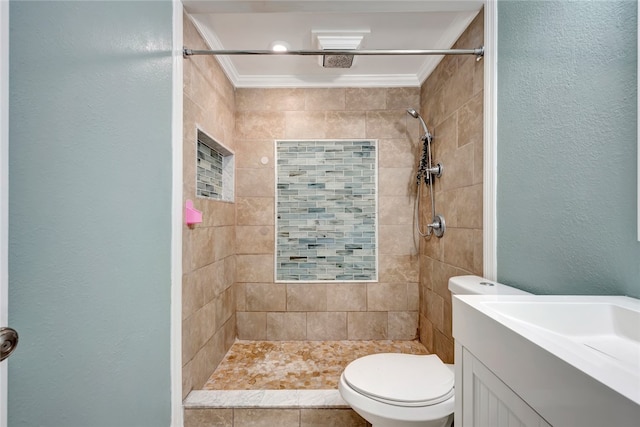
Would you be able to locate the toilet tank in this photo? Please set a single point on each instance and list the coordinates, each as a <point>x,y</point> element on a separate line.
<point>476,285</point>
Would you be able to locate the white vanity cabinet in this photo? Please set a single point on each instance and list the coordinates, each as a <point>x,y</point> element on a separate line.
<point>560,361</point>
<point>487,401</point>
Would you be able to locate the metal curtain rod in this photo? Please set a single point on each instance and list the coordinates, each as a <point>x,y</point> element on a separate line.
<point>478,52</point>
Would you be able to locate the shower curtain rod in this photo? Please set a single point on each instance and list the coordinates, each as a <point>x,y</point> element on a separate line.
<point>478,52</point>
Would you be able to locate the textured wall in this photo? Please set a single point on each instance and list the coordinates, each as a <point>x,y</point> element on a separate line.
<point>279,311</point>
<point>451,104</point>
<point>90,213</point>
<point>208,254</point>
<point>567,147</point>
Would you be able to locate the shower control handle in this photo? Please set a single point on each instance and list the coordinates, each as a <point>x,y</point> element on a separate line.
<point>436,170</point>
<point>438,226</point>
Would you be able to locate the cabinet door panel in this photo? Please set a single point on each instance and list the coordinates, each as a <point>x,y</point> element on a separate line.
<point>488,402</point>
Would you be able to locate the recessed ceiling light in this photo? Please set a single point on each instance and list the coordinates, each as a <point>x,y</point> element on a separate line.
<point>279,46</point>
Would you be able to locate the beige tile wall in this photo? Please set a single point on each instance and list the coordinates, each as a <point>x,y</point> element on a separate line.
<point>260,417</point>
<point>451,104</point>
<point>331,311</point>
<point>208,298</point>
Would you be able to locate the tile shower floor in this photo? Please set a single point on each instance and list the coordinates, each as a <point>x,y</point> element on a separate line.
<point>295,365</point>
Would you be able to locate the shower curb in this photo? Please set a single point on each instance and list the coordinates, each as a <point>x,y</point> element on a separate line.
<point>282,399</point>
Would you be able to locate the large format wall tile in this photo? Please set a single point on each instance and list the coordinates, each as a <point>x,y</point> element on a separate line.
<point>208,248</point>
<point>266,115</point>
<point>452,103</point>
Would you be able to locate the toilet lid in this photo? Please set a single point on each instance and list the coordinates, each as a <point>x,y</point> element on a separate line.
<point>401,379</point>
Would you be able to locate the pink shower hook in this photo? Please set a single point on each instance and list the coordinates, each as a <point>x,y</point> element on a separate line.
<point>191,215</point>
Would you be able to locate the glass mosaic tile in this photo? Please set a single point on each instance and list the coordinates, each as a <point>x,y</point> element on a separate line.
<point>326,203</point>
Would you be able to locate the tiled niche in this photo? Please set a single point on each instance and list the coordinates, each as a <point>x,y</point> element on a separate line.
<point>215,169</point>
<point>326,204</point>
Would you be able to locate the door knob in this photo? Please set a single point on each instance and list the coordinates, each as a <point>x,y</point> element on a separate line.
<point>8,342</point>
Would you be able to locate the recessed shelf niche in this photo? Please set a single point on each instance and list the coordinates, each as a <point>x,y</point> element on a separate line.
<point>215,170</point>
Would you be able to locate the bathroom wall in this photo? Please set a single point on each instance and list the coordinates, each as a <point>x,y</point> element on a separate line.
<point>451,104</point>
<point>567,147</point>
<point>331,311</point>
<point>208,255</point>
<point>90,213</point>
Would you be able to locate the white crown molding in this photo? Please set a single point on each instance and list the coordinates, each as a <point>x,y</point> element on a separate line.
<point>427,68</point>
<point>447,40</point>
<point>343,6</point>
<point>361,80</point>
<point>214,44</point>
<point>286,80</point>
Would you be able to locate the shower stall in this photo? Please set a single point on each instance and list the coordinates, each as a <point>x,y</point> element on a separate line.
<point>231,298</point>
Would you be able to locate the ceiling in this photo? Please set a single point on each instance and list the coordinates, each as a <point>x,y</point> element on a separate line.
<point>255,25</point>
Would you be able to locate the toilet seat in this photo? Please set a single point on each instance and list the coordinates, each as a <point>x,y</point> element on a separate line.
<point>401,379</point>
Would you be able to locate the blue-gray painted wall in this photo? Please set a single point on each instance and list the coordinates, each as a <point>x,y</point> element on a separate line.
<point>89,213</point>
<point>567,148</point>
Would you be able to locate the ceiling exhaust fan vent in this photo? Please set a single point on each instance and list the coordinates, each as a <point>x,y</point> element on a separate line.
<point>337,41</point>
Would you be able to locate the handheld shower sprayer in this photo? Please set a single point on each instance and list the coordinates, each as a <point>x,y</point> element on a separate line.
<point>426,169</point>
<point>413,113</point>
<point>426,172</point>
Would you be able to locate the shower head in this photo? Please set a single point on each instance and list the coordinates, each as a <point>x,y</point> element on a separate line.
<point>413,113</point>
<point>337,61</point>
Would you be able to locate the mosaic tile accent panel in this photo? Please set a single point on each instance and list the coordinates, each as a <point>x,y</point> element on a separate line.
<point>326,210</point>
<point>214,177</point>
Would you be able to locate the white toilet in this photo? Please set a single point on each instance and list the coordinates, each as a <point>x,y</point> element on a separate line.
<point>406,390</point>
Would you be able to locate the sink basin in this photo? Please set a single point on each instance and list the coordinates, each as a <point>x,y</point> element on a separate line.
<point>570,357</point>
<point>607,328</point>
